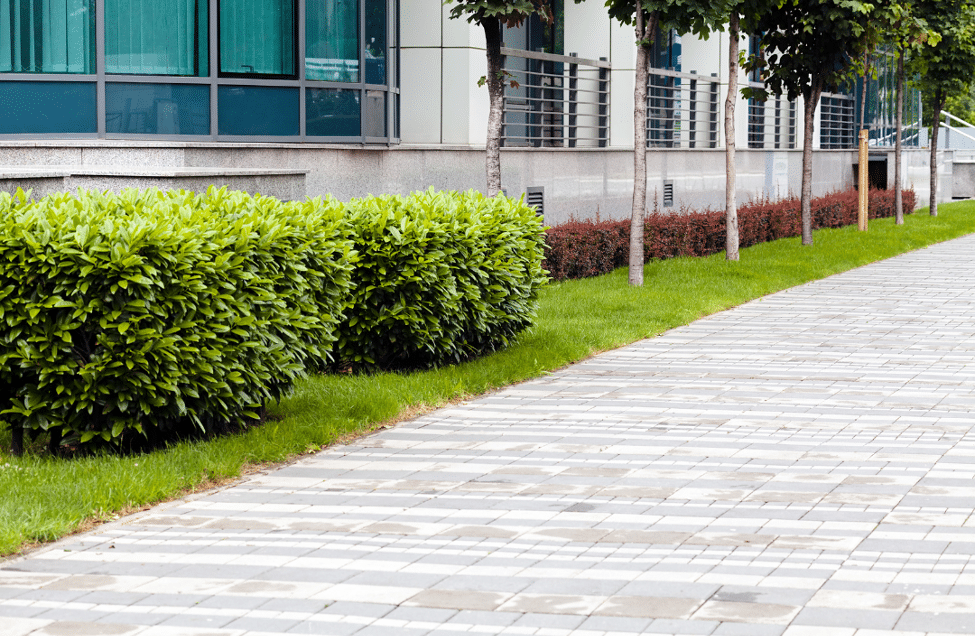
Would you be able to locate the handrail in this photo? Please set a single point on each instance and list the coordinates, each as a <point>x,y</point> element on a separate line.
<point>957,119</point>
<point>551,57</point>
<point>957,130</point>
<point>683,76</point>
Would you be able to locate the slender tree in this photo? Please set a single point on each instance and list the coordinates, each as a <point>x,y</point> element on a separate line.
<point>700,17</point>
<point>644,16</point>
<point>902,31</point>
<point>741,16</point>
<point>492,15</point>
<point>945,69</point>
<point>732,223</point>
<point>810,46</point>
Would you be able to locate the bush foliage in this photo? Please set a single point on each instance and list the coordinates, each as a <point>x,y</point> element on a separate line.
<point>440,277</point>
<point>581,249</point>
<point>144,317</point>
<point>162,314</point>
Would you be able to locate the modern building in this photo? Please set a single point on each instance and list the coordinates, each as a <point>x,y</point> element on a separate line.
<point>349,97</point>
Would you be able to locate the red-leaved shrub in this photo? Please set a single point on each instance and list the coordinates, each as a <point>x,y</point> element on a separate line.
<point>580,249</point>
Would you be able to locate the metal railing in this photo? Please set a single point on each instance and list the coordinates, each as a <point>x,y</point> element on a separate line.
<point>910,136</point>
<point>683,110</point>
<point>837,121</point>
<point>967,126</point>
<point>771,124</point>
<point>559,101</point>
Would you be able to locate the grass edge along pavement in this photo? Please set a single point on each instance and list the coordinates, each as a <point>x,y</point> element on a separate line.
<point>44,498</point>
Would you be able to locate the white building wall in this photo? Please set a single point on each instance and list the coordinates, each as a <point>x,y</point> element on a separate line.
<point>441,61</point>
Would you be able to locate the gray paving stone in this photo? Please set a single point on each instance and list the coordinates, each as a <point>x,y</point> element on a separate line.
<point>261,625</point>
<point>957,623</point>
<point>547,620</point>
<point>373,629</point>
<point>321,626</point>
<point>194,621</point>
<point>848,618</point>
<point>736,628</point>
<point>615,624</point>
<point>359,609</point>
<point>681,627</point>
<point>764,595</point>
<point>421,614</point>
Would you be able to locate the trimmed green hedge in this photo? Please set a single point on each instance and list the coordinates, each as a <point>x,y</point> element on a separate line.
<point>441,277</point>
<point>162,314</point>
<point>138,318</point>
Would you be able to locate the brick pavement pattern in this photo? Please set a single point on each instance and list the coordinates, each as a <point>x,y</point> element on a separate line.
<point>800,465</point>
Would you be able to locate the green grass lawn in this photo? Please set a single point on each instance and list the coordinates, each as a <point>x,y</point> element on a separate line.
<point>43,498</point>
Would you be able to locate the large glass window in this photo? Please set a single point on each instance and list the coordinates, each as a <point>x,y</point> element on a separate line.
<point>47,36</point>
<point>257,110</point>
<point>212,69</point>
<point>156,37</point>
<point>332,36</point>
<point>257,37</point>
<point>332,112</point>
<point>47,107</point>
<point>157,109</point>
<point>375,47</point>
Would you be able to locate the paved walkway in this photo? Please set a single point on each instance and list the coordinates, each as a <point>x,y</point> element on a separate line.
<point>802,464</point>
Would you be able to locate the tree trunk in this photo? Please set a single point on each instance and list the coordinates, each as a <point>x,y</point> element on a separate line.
<point>937,107</point>
<point>636,251</point>
<point>811,98</point>
<point>17,441</point>
<point>496,89</point>
<point>732,226</point>
<point>898,167</point>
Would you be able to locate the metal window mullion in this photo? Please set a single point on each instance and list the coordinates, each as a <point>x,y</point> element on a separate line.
<point>300,62</point>
<point>100,68</point>
<point>361,26</point>
<point>390,37</point>
<point>214,55</point>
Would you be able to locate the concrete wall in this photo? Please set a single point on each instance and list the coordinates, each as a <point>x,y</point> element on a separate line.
<point>577,182</point>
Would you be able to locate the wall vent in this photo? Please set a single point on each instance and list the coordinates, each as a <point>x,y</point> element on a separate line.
<point>534,198</point>
<point>668,195</point>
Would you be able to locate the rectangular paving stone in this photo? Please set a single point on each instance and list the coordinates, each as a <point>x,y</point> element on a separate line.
<point>458,599</point>
<point>736,628</point>
<point>860,618</point>
<point>956,623</point>
<point>746,612</point>
<point>650,607</point>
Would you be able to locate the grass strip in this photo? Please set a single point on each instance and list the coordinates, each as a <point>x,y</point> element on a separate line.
<point>43,498</point>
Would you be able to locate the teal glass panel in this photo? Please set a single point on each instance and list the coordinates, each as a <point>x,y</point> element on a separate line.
<point>332,37</point>
<point>157,109</point>
<point>332,112</point>
<point>47,107</point>
<point>156,37</point>
<point>375,46</point>
<point>257,110</point>
<point>257,37</point>
<point>47,36</point>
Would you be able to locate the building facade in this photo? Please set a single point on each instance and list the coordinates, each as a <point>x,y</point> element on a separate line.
<point>350,97</point>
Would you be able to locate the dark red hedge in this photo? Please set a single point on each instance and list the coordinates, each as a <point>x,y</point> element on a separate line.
<point>580,249</point>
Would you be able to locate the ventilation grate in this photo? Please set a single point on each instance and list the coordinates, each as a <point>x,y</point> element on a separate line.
<point>534,198</point>
<point>668,195</point>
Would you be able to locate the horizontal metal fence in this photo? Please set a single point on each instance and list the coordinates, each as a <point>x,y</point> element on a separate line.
<point>683,110</point>
<point>771,124</point>
<point>559,101</point>
<point>837,121</point>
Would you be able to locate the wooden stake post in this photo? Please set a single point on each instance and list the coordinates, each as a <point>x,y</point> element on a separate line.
<point>863,180</point>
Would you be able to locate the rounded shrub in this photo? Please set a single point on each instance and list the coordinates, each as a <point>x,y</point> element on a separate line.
<point>440,277</point>
<point>156,315</point>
